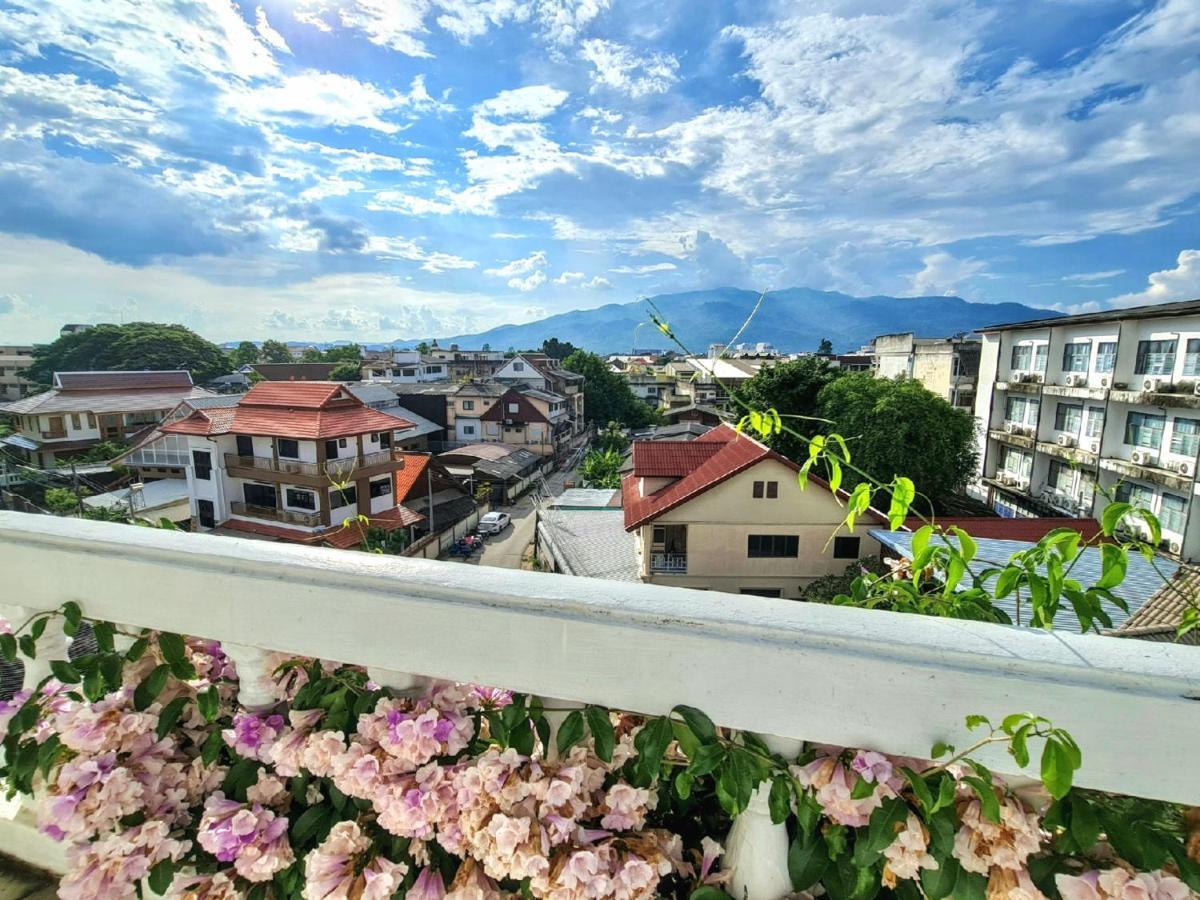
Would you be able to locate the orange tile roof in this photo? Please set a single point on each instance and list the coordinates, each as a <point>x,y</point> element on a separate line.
<point>670,459</point>
<point>1002,529</point>
<point>410,475</point>
<point>294,394</point>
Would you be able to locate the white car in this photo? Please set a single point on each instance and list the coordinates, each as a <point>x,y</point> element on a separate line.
<point>494,522</point>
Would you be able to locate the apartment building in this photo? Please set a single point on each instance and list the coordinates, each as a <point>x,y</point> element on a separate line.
<point>463,365</point>
<point>947,367</point>
<point>706,380</point>
<point>293,461</point>
<point>406,367</point>
<point>724,512</point>
<point>1078,409</point>
<point>83,409</point>
<point>14,360</point>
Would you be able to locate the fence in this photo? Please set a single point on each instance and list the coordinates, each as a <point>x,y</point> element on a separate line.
<point>433,546</point>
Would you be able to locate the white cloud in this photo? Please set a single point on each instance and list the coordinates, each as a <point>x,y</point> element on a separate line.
<point>648,269</point>
<point>528,283</point>
<point>569,278</point>
<point>1093,276</point>
<point>279,321</point>
<point>402,248</point>
<point>523,274</point>
<point>943,273</point>
<point>534,101</point>
<point>269,34</point>
<point>598,283</point>
<point>617,67</point>
<point>1179,283</point>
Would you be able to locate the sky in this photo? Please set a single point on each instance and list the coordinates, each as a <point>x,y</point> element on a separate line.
<point>384,169</point>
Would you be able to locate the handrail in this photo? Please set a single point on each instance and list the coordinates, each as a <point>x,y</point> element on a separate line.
<point>866,678</point>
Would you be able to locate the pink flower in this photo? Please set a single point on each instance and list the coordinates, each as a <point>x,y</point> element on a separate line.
<point>626,807</point>
<point>112,866</point>
<point>428,886</point>
<point>711,851</point>
<point>832,787</point>
<point>252,736</point>
<point>872,766</point>
<point>908,853</point>
<point>1117,884</point>
<point>981,844</point>
<point>320,750</point>
<point>252,838</point>
<point>333,871</point>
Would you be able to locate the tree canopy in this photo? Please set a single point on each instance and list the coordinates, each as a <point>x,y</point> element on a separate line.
<point>601,469</point>
<point>900,428</point>
<point>791,388</point>
<point>276,352</point>
<point>132,347</point>
<point>556,349</point>
<point>245,354</point>
<point>344,353</point>
<point>606,395</point>
<point>346,371</point>
<point>826,346</point>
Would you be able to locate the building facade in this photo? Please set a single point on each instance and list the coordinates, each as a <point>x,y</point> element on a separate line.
<point>406,367</point>
<point>14,360</point>
<point>528,417</point>
<point>1080,409</point>
<point>947,367</point>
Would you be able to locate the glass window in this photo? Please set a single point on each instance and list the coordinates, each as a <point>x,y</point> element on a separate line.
<point>202,464</point>
<point>262,495</point>
<point>289,449</point>
<point>772,545</point>
<point>1135,494</point>
<point>1144,430</point>
<point>301,499</point>
<point>1041,353</point>
<point>1075,356</point>
<point>1022,356</point>
<point>1185,437</point>
<point>1022,410</point>
<point>381,488</point>
<point>1095,421</point>
<point>1061,478</point>
<point>1016,463</point>
<point>347,496</point>
<point>1155,358</point>
<point>518,367</point>
<point>468,404</point>
<point>1068,417</point>
<point>1191,358</point>
<point>759,490</point>
<point>1106,356</point>
<point>1171,513</point>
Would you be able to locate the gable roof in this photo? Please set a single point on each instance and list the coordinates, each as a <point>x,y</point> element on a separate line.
<point>1160,615</point>
<point>526,411</point>
<point>314,371</point>
<point>123,381</point>
<point>671,459</point>
<point>1000,528</point>
<point>412,474</point>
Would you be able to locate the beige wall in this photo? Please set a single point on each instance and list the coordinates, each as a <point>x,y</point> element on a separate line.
<point>720,520</point>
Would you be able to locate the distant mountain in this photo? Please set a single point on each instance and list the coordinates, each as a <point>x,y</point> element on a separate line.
<point>792,319</point>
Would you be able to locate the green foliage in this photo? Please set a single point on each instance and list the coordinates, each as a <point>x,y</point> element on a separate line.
<point>826,346</point>
<point>245,354</point>
<point>900,428</point>
<point>62,501</point>
<point>601,469</point>
<point>275,352</point>
<point>136,346</point>
<point>790,388</point>
<point>613,437</point>
<point>380,540</point>
<point>827,587</point>
<point>345,353</point>
<point>346,371</point>
<point>556,349</point>
<point>607,396</point>
<point>106,514</point>
<point>98,453</point>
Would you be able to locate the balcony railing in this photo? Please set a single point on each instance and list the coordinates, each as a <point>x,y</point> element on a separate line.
<point>287,516</point>
<point>53,434</point>
<point>668,563</point>
<point>872,678</point>
<point>333,467</point>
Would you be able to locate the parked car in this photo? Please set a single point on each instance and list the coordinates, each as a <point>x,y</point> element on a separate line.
<point>494,522</point>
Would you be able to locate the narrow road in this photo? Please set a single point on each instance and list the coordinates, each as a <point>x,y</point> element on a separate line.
<point>505,550</point>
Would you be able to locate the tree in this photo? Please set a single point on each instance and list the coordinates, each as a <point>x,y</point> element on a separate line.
<point>312,354</point>
<point>606,395</point>
<point>612,437</point>
<point>132,347</point>
<point>900,428</point>
<point>791,388</point>
<point>826,346</point>
<point>62,501</point>
<point>422,348</point>
<point>601,469</point>
<point>556,349</point>
<point>276,352</point>
<point>347,353</point>
<point>246,354</point>
<point>347,371</point>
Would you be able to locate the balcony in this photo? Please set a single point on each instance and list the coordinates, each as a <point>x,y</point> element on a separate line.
<point>307,472</point>
<point>286,516</point>
<point>53,434</point>
<point>668,563</point>
<point>1026,439</point>
<point>871,678</point>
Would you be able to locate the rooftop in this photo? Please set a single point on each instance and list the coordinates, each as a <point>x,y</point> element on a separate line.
<point>591,543</point>
<point>1015,529</point>
<point>315,371</point>
<point>1153,311</point>
<point>1159,617</point>
<point>118,381</point>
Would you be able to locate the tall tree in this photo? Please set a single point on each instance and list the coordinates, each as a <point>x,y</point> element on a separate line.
<point>900,428</point>
<point>131,347</point>
<point>791,388</point>
<point>312,354</point>
<point>346,353</point>
<point>556,349</point>
<point>246,354</point>
<point>346,371</point>
<point>826,346</point>
<point>606,395</point>
<point>276,352</point>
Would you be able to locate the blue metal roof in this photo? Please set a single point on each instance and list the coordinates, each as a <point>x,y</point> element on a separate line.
<point>1141,579</point>
<point>16,440</point>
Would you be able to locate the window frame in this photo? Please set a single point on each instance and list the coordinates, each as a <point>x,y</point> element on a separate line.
<point>1193,435</point>
<point>772,546</point>
<point>1144,422</point>
<point>374,486</point>
<point>292,504</point>
<point>281,442</point>
<point>1181,513</point>
<point>1063,414</point>
<point>1145,354</point>
<point>1071,360</point>
<point>350,491</point>
<point>843,541</point>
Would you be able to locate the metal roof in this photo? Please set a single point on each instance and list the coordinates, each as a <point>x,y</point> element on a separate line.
<point>153,495</point>
<point>587,498</point>
<point>150,379</point>
<point>103,401</point>
<point>591,543</point>
<point>17,440</point>
<point>1141,579</point>
<point>1153,311</point>
<point>1159,617</point>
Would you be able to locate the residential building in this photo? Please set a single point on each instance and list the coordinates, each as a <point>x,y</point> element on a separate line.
<point>425,483</point>
<point>465,404</point>
<point>1077,409</point>
<point>167,456</point>
<point>467,365</point>
<point>406,367</point>
<point>293,371</point>
<point>582,532</point>
<point>414,431</point>
<point>293,461</point>
<point>1159,618</point>
<point>700,380</point>
<point>947,367</point>
<point>724,512</point>
<point>699,413</point>
<point>547,374</point>
<point>529,417</point>
<point>649,384</point>
<point>508,471</point>
<point>149,501</point>
<point>84,408</point>
<point>14,360</point>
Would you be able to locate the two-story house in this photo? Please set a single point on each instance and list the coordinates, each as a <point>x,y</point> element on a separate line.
<point>293,461</point>
<point>1080,409</point>
<point>724,512</point>
<point>528,417</point>
<point>406,367</point>
<point>466,365</point>
<point>82,409</point>
<point>537,370</point>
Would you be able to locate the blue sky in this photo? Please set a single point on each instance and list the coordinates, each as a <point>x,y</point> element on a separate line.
<point>378,169</point>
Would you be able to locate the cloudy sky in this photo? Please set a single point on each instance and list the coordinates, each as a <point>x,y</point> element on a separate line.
<point>377,169</point>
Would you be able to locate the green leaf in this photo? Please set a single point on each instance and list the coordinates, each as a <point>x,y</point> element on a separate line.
<point>309,823</point>
<point>966,544</point>
<point>47,753</point>
<point>780,799</point>
<point>39,628</point>
<point>807,861</point>
<point>903,494</point>
<point>919,788</point>
<point>938,883</point>
<point>1112,516</point>
<point>1114,561</point>
<point>72,613</point>
<point>862,789</point>
<point>28,645</point>
<point>880,831</point>
<point>1007,582</point>
<point>103,633</point>
<point>708,892</point>
<point>170,716</point>
<point>600,725</point>
<point>8,647</point>
<point>570,732</point>
<point>212,748</point>
<point>941,749</point>
<point>945,797</point>
<point>174,652</point>
<point>651,743</point>
<point>808,811</point>
<point>209,703</point>
<point>989,804</point>
<point>683,784</point>
<point>975,720</point>
<point>699,723</point>
<point>707,759</point>
<point>1058,768</point>
<point>64,671</point>
<point>137,650</point>
<point>1085,825</point>
<point>920,539</point>
<point>161,876</point>
<point>147,692</point>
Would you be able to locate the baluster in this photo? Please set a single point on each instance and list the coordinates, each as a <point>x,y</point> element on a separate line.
<point>256,687</point>
<point>756,850</point>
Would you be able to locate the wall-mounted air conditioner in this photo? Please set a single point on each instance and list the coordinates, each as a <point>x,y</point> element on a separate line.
<point>1185,467</point>
<point>1141,457</point>
<point>1076,380</point>
<point>1022,483</point>
<point>1012,427</point>
<point>1105,381</point>
<point>1066,440</point>
<point>1153,383</point>
<point>1094,445</point>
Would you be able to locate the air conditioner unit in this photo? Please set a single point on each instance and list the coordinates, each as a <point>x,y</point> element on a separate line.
<point>1022,483</point>
<point>1143,457</point>
<point>1105,381</point>
<point>1154,383</point>
<point>1094,445</point>
<point>1076,380</point>
<point>1012,427</point>
<point>1033,378</point>
<point>1174,547</point>
<point>1196,388</point>
<point>1185,467</point>
<point>1066,440</point>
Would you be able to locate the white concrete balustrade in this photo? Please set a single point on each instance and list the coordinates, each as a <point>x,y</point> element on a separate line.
<point>787,670</point>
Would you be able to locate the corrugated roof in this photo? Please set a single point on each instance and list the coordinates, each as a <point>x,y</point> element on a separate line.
<point>1159,617</point>
<point>591,543</point>
<point>98,401</point>
<point>1141,578</point>
<point>511,466</point>
<point>123,381</point>
<point>482,451</point>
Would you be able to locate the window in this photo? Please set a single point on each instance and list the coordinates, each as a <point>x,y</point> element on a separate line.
<point>518,367</point>
<point>261,495</point>
<point>1075,356</point>
<point>1022,410</point>
<point>1135,494</point>
<point>385,439</point>
<point>1095,421</point>
<point>769,489</point>
<point>468,429</point>
<point>347,496</point>
<point>468,405</point>
<point>1171,513</point>
<point>1155,358</point>
<point>202,463</point>
<point>1106,356</point>
<point>342,443</point>
<point>1040,354</point>
<point>75,421</point>
<point>1185,437</point>
<point>845,547</point>
<point>659,536</point>
<point>300,499</point>
<point>1068,417</point>
<point>759,546</point>
<point>288,448</point>
<point>1061,478</point>
<point>1022,356</point>
<point>1144,430</point>
<point>1191,357</point>
<point>1016,463</point>
<point>206,513</point>
<point>381,488</point>
<point>331,450</point>
<point>761,592</point>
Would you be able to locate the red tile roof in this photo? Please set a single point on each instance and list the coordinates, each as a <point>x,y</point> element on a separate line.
<point>335,536</point>
<point>410,475</point>
<point>998,528</point>
<point>122,381</point>
<point>295,394</point>
<point>671,459</point>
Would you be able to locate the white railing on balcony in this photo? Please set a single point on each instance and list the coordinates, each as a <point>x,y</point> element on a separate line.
<point>668,563</point>
<point>862,678</point>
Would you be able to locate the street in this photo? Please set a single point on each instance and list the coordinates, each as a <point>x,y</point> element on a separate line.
<point>505,550</point>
